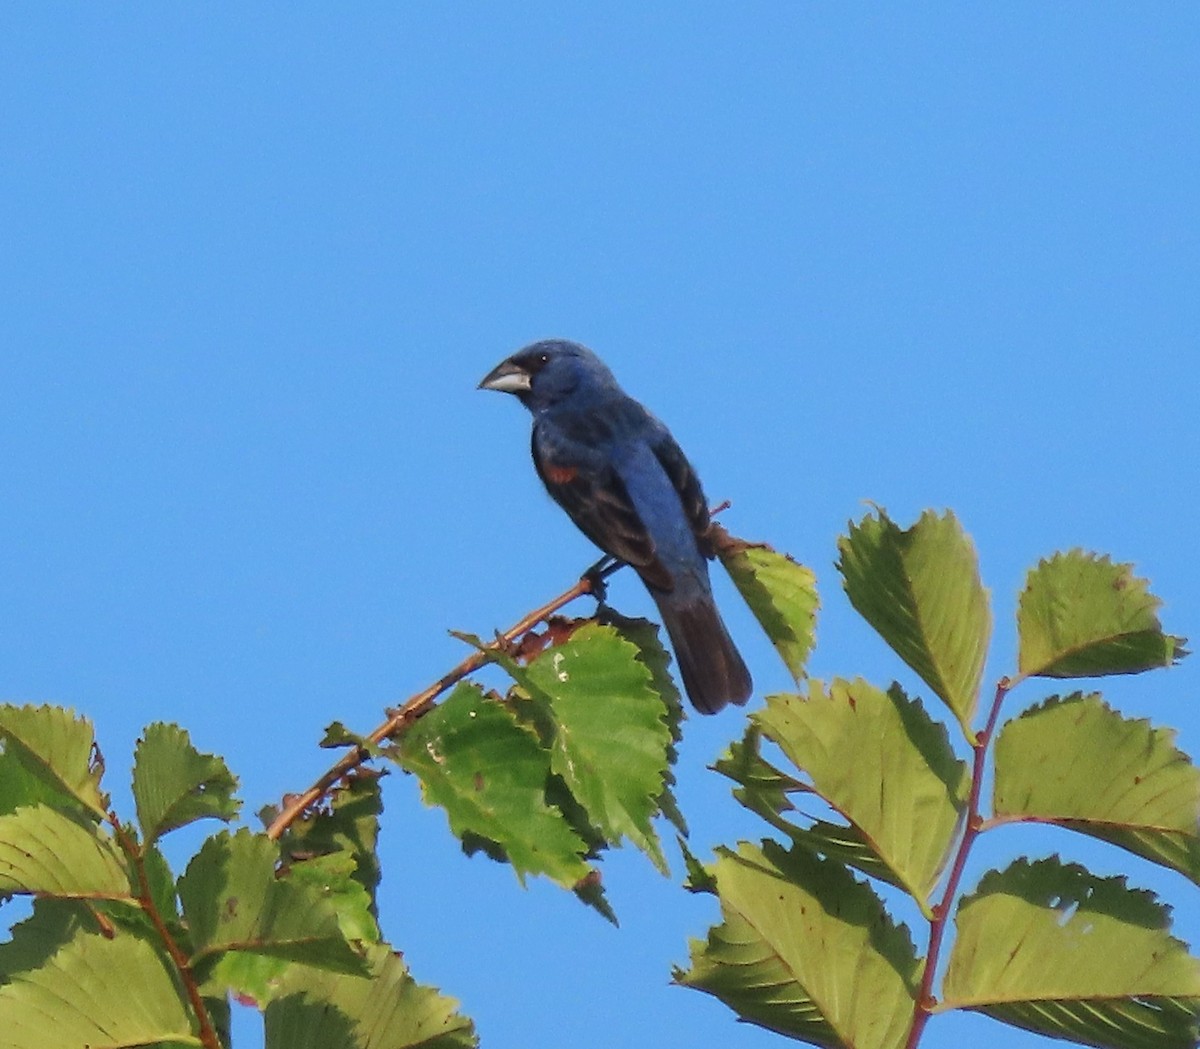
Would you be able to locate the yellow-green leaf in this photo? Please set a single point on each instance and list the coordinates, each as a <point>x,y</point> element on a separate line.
<point>60,748</point>
<point>1081,615</point>
<point>781,593</point>
<point>1078,763</point>
<point>806,950</point>
<point>45,851</point>
<point>884,764</point>
<point>920,589</point>
<point>1052,948</point>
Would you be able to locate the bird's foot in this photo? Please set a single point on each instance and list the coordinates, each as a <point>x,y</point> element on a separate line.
<point>596,576</point>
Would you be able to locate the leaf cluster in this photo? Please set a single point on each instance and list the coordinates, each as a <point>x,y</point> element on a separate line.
<point>574,758</point>
<point>807,945</point>
<point>289,927</point>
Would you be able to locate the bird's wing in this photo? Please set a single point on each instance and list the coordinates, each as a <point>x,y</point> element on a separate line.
<point>685,482</point>
<point>585,483</point>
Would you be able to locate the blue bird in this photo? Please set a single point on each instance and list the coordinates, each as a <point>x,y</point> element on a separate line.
<point>623,480</point>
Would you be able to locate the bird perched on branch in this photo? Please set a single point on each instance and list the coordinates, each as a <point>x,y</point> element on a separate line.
<point>623,480</point>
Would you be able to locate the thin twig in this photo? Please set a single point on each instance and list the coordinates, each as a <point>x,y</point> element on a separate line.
<point>208,1034</point>
<point>403,716</point>
<point>974,823</point>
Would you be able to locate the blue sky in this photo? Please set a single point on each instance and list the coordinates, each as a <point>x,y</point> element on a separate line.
<point>255,261</point>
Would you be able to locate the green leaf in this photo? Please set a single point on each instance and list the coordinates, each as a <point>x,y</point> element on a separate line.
<point>921,591</point>
<point>349,822</point>
<point>60,747</point>
<point>53,924</point>
<point>386,1010</point>
<point>333,877</point>
<point>882,763</point>
<point>1078,763</point>
<point>1080,615</point>
<point>1052,948</point>
<point>44,851</point>
<point>781,593</point>
<point>22,784</point>
<point>338,735</point>
<point>233,901</point>
<point>765,790</point>
<point>489,773</point>
<point>806,950</point>
<point>645,635</point>
<point>82,995</point>
<point>699,877</point>
<point>610,735</point>
<point>174,784</point>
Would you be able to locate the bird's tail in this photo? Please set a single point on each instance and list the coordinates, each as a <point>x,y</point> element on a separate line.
<point>711,666</point>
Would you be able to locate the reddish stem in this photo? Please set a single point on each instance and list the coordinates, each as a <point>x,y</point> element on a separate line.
<point>403,716</point>
<point>925,1002</point>
<point>208,1034</point>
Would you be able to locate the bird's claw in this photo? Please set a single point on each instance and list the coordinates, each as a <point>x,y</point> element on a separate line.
<point>595,577</point>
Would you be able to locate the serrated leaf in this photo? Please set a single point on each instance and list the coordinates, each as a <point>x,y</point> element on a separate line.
<point>920,589</point>
<point>52,925</point>
<point>83,991</point>
<point>233,901</point>
<point>1052,948</point>
<point>806,950</point>
<point>333,877</point>
<point>781,593</point>
<point>1080,615</point>
<point>646,636</point>
<point>60,747</point>
<point>765,790</point>
<point>338,735</point>
<point>699,877</point>
<point>610,734</point>
<point>385,1010</point>
<point>349,822</point>
<point>21,783</point>
<point>44,851</point>
<point>885,765</point>
<point>1078,763</point>
<point>174,784</point>
<point>489,773</point>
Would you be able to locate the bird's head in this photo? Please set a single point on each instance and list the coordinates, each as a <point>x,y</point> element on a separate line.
<point>547,373</point>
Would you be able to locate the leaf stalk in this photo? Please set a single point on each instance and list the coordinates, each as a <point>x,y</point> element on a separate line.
<point>208,1034</point>
<point>972,825</point>
<point>403,716</point>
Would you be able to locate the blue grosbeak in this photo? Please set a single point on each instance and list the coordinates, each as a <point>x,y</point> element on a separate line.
<point>621,477</point>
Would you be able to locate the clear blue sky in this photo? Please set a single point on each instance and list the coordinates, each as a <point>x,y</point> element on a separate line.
<point>255,260</point>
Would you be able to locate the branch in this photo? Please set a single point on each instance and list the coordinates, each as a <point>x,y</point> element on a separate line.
<point>208,1035</point>
<point>941,912</point>
<point>592,582</point>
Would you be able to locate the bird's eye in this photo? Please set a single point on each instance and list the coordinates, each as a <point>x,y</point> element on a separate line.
<point>543,358</point>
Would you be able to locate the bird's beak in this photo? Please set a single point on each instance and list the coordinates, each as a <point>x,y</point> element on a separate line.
<point>506,377</point>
